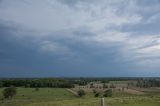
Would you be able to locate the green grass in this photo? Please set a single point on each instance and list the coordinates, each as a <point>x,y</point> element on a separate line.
<point>134,101</point>
<point>61,97</point>
<point>29,95</point>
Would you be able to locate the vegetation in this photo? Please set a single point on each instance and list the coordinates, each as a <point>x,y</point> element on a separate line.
<point>9,92</point>
<point>1,84</point>
<point>145,83</point>
<point>61,97</point>
<point>108,93</point>
<point>47,82</point>
<point>36,89</point>
<point>124,93</point>
<point>112,86</point>
<point>94,91</point>
<point>69,82</point>
<point>97,94</point>
<point>81,93</point>
<point>105,86</point>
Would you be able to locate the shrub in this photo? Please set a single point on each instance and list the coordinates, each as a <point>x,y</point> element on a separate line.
<point>105,86</point>
<point>108,93</point>
<point>36,89</point>
<point>91,85</point>
<point>81,93</point>
<point>1,84</point>
<point>112,86</point>
<point>97,94</point>
<point>27,86</point>
<point>94,91</point>
<point>9,92</point>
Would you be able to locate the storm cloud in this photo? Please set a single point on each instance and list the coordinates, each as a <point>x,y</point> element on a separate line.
<point>79,38</point>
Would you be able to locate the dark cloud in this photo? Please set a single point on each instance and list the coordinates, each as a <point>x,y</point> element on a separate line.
<point>84,47</point>
<point>25,59</point>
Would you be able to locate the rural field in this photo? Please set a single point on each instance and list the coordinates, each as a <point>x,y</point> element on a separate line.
<point>68,97</point>
<point>79,52</point>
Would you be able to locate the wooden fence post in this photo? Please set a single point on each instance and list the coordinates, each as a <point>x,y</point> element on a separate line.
<point>102,102</point>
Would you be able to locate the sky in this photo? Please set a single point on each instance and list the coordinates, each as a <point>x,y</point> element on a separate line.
<point>79,38</point>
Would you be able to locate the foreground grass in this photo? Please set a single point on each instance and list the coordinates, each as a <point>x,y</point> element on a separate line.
<point>143,101</point>
<point>29,95</point>
<point>61,97</point>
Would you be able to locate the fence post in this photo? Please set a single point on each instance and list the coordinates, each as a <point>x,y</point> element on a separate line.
<point>102,102</point>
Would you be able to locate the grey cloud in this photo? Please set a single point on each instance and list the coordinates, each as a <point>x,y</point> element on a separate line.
<point>148,2</point>
<point>72,3</point>
<point>109,33</point>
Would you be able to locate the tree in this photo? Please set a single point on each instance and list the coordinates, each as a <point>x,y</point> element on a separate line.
<point>36,89</point>
<point>94,91</point>
<point>9,92</point>
<point>108,93</point>
<point>81,93</point>
<point>105,86</point>
<point>27,86</point>
<point>112,86</point>
<point>97,94</point>
<point>91,85</point>
<point>1,84</point>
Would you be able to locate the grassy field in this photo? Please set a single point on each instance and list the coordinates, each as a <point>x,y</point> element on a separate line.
<point>29,95</point>
<point>62,97</point>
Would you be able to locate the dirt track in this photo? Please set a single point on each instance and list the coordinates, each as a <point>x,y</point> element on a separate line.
<point>73,92</point>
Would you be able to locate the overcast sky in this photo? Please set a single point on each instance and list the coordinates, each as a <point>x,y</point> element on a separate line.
<point>103,38</point>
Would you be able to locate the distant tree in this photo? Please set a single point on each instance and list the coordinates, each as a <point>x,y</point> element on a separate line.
<point>127,87</point>
<point>122,88</point>
<point>94,91</point>
<point>9,92</point>
<point>97,94</point>
<point>1,84</point>
<point>36,89</point>
<point>119,89</point>
<point>91,85</point>
<point>112,86</point>
<point>27,86</point>
<point>81,93</point>
<point>105,86</point>
<point>108,93</point>
<point>104,81</point>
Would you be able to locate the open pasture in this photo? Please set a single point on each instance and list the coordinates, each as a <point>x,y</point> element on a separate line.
<point>62,97</point>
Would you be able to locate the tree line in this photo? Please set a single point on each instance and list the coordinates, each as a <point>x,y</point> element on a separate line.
<point>51,82</point>
<point>70,82</point>
<point>145,83</point>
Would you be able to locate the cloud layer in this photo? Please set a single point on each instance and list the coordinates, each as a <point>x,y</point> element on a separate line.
<point>79,37</point>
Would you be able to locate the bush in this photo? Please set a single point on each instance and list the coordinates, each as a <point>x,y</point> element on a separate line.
<point>97,94</point>
<point>36,89</point>
<point>105,86</point>
<point>94,91</point>
<point>108,93</point>
<point>27,86</point>
<point>9,92</point>
<point>91,85</point>
<point>112,86</point>
<point>81,93</point>
<point>1,84</point>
